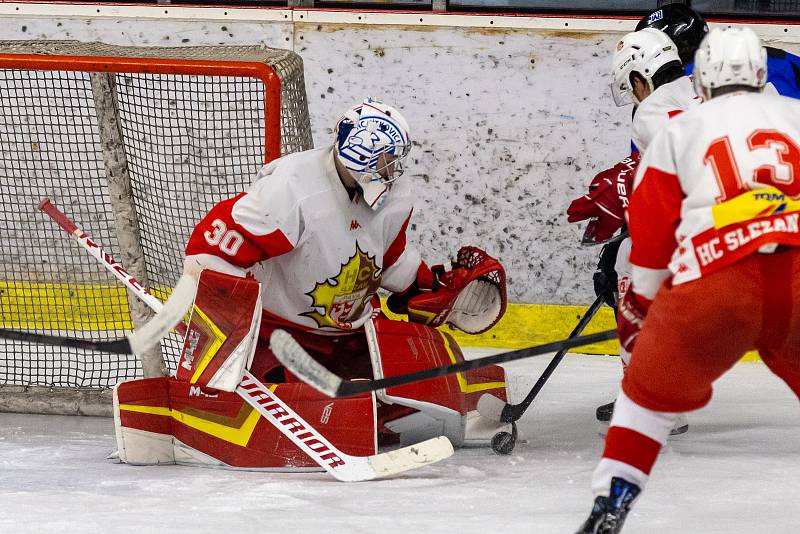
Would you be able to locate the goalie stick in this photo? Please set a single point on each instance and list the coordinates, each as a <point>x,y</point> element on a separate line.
<point>497,410</point>
<point>340,465</point>
<point>299,362</point>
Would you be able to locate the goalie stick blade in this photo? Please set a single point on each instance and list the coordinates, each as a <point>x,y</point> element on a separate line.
<point>162,323</point>
<point>114,346</point>
<point>299,362</point>
<point>417,455</point>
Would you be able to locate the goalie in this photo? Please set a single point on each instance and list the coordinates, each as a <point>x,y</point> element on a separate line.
<point>306,249</point>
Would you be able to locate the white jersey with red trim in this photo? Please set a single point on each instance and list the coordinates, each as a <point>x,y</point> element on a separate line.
<point>658,108</point>
<point>319,255</point>
<point>652,116</point>
<point>722,181</point>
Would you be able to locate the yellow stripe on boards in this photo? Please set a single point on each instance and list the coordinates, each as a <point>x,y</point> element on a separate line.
<point>527,325</point>
<point>92,307</point>
<point>63,307</point>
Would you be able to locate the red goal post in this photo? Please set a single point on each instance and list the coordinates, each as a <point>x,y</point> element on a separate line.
<point>135,144</point>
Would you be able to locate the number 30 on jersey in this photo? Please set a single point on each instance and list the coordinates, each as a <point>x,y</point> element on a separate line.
<point>220,236</point>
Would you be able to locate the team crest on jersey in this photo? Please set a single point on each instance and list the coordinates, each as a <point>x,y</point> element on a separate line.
<point>339,299</point>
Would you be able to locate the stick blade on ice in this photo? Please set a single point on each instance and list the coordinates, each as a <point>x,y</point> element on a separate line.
<point>299,362</point>
<point>417,455</point>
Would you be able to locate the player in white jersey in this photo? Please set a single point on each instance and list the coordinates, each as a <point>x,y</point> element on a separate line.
<point>306,249</point>
<point>647,72</point>
<point>715,227</point>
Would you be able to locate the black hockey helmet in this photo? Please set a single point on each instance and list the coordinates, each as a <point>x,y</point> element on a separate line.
<point>685,26</point>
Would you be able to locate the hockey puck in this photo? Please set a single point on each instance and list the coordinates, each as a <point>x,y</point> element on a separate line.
<point>503,443</point>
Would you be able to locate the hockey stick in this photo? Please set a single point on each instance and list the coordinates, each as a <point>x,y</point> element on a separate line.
<point>167,315</point>
<point>300,363</point>
<point>114,346</point>
<point>137,342</point>
<point>497,410</point>
<point>342,466</point>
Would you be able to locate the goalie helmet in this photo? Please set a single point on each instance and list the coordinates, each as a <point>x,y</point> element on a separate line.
<point>372,140</point>
<point>644,52</point>
<point>685,26</point>
<point>729,56</point>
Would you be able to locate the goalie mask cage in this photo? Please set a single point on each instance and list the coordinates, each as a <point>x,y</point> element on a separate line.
<point>135,145</point>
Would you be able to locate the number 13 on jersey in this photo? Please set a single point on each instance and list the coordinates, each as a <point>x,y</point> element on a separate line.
<point>726,169</point>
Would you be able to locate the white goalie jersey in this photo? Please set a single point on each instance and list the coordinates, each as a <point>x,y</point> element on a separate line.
<point>319,255</point>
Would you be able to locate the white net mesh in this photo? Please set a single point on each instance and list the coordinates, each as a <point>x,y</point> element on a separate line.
<point>189,139</point>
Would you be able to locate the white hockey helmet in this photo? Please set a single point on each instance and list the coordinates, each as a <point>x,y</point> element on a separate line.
<point>729,56</point>
<point>645,52</point>
<point>372,139</point>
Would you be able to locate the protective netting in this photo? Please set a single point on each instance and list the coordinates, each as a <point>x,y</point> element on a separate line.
<point>189,139</point>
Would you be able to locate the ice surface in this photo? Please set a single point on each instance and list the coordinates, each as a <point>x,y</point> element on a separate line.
<point>736,471</point>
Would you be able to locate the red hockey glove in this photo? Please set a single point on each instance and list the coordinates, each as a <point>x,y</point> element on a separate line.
<point>471,296</point>
<point>631,311</point>
<point>606,201</point>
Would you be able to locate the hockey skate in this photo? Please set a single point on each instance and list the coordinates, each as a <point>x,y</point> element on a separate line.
<point>606,411</point>
<point>609,513</point>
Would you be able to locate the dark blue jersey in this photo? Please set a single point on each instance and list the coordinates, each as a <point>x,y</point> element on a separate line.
<point>783,71</point>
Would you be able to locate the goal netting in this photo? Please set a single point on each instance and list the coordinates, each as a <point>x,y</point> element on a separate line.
<point>135,145</point>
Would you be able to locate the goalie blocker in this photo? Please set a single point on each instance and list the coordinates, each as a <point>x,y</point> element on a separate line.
<point>196,418</point>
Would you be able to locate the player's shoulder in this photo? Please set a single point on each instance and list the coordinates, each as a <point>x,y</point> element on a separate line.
<point>401,197</point>
<point>297,175</point>
<point>677,94</point>
<point>781,55</point>
<point>737,107</point>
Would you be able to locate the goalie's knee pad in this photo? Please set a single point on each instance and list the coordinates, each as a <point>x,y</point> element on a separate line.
<point>444,406</point>
<point>168,421</point>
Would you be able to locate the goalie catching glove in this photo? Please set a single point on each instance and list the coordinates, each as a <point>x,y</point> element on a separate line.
<point>471,296</point>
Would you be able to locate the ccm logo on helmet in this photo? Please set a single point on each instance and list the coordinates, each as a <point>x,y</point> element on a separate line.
<point>658,15</point>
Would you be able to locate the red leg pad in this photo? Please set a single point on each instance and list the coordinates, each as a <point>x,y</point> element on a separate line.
<point>223,427</point>
<point>408,347</point>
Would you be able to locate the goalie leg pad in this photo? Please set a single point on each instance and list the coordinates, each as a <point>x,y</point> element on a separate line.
<point>164,420</point>
<point>222,333</point>
<point>448,404</point>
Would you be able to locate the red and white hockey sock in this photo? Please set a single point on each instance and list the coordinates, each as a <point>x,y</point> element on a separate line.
<point>633,442</point>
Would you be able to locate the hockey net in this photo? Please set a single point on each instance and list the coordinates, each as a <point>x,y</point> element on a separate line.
<point>135,145</point>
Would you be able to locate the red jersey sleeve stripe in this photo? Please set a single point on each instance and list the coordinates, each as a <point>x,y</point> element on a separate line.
<point>398,245</point>
<point>653,217</point>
